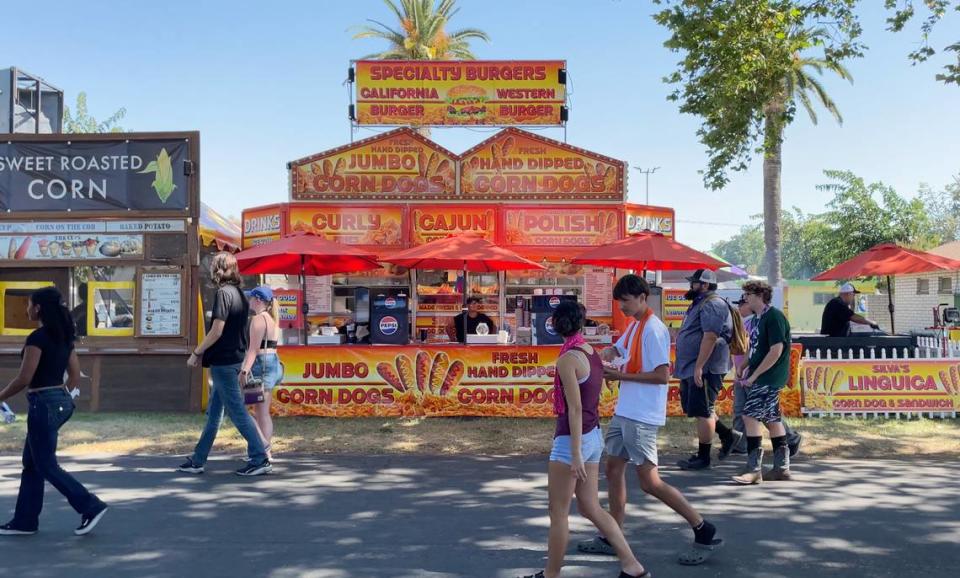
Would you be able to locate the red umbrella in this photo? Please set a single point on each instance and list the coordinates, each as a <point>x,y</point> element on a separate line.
<point>464,252</point>
<point>649,251</point>
<point>888,259</point>
<point>304,253</point>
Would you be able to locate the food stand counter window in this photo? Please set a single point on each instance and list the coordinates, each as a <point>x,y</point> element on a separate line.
<point>14,296</point>
<point>440,298</point>
<point>334,300</point>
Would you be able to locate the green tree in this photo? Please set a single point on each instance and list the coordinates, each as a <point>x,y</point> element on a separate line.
<point>82,122</point>
<point>422,33</point>
<point>746,65</point>
<point>903,11</point>
<point>943,208</point>
<point>862,215</point>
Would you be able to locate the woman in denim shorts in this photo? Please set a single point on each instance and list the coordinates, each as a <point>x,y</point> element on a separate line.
<point>261,359</point>
<point>577,446</point>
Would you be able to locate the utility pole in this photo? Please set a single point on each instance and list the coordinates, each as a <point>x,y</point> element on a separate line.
<point>647,173</point>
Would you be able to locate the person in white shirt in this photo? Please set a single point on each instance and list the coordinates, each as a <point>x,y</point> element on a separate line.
<point>642,368</point>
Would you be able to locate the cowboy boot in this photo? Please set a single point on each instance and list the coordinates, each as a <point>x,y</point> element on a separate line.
<point>781,466</point>
<point>754,473</point>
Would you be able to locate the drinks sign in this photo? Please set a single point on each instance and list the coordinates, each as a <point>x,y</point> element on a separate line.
<point>93,175</point>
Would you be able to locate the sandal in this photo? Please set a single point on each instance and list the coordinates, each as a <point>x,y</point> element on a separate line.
<point>646,574</point>
<point>699,553</point>
<point>537,575</point>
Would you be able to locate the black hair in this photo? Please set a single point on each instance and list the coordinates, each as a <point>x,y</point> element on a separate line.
<point>54,315</point>
<point>631,286</point>
<point>474,299</point>
<point>568,318</point>
<point>711,286</point>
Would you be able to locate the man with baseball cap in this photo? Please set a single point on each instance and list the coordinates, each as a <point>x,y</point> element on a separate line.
<point>837,314</point>
<point>703,358</point>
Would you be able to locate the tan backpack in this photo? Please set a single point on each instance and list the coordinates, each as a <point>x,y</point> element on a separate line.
<point>740,339</point>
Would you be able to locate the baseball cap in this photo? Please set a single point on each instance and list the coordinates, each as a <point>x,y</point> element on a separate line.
<point>703,276</point>
<point>848,288</point>
<point>263,293</point>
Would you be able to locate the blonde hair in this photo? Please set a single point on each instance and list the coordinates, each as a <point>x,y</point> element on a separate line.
<point>224,269</point>
<point>274,309</point>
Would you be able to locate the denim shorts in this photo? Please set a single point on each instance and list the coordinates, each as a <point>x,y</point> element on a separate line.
<point>591,448</point>
<point>268,368</point>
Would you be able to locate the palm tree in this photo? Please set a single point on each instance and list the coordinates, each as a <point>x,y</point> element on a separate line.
<point>423,32</point>
<point>799,85</point>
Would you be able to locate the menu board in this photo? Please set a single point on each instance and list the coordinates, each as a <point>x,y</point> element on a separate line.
<point>598,291</point>
<point>320,293</point>
<point>161,303</point>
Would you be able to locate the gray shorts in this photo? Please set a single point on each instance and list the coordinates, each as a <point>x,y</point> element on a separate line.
<point>631,440</point>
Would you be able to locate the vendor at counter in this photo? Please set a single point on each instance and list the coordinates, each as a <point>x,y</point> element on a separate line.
<point>473,319</point>
<point>837,314</point>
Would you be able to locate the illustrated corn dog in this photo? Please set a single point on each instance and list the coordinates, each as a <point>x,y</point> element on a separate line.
<point>405,371</point>
<point>495,152</point>
<point>443,168</point>
<point>432,165</point>
<point>588,169</point>
<point>600,172</point>
<point>387,372</point>
<point>955,378</point>
<point>327,168</point>
<point>441,362</point>
<point>338,170</point>
<point>507,145</point>
<point>453,377</point>
<point>423,370</point>
<point>422,163</point>
<point>610,179</point>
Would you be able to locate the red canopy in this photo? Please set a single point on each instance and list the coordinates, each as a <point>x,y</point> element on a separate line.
<point>463,252</point>
<point>304,253</point>
<point>888,259</point>
<point>649,251</point>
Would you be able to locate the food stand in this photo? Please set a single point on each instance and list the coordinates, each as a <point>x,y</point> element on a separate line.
<point>543,199</point>
<point>112,221</point>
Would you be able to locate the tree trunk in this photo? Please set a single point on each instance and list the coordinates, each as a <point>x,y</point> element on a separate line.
<point>771,190</point>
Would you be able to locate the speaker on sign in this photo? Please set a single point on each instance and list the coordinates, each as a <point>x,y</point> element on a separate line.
<point>352,112</point>
<point>564,114</point>
<point>351,75</point>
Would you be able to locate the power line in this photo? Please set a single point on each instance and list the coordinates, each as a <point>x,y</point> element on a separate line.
<point>712,223</point>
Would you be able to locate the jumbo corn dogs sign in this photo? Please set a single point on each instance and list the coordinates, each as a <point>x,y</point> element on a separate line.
<point>457,93</point>
<point>397,164</point>
<point>503,381</point>
<point>887,386</point>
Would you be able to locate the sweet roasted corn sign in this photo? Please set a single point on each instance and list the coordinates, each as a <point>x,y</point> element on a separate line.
<point>881,385</point>
<point>507,381</point>
<point>456,93</point>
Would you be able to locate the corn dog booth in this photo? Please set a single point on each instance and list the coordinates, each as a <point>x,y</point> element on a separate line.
<point>378,343</point>
<point>112,221</point>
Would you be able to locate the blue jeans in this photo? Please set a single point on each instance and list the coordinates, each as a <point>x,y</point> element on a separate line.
<point>226,395</point>
<point>49,410</point>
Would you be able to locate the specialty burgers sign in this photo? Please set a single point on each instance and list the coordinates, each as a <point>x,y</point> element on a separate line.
<point>518,165</point>
<point>399,164</point>
<point>450,93</point>
<point>71,173</point>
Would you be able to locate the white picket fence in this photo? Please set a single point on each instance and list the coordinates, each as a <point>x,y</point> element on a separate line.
<point>927,348</point>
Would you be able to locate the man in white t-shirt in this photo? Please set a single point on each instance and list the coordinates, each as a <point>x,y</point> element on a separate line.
<point>643,370</point>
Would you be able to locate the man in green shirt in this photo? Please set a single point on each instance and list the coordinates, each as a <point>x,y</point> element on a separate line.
<point>765,375</point>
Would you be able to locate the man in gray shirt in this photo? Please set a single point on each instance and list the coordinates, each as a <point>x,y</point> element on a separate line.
<point>703,358</point>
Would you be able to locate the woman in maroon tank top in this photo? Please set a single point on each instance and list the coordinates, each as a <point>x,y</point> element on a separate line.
<point>577,447</point>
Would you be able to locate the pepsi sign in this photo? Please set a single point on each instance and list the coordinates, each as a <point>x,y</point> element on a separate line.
<point>390,303</point>
<point>554,301</point>
<point>389,325</point>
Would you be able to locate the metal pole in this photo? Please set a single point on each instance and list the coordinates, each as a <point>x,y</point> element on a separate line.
<point>647,173</point>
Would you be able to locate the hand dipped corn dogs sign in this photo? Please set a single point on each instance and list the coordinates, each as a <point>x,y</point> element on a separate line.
<point>507,381</point>
<point>457,93</point>
<point>881,386</point>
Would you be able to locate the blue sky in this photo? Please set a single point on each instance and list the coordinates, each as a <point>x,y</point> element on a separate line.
<point>262,82</point>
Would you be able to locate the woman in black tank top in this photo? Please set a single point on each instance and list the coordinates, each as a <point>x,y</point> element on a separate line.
<point>261,359</point>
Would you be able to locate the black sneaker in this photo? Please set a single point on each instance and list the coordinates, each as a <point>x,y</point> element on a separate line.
<point>89,521</point>
<point>9,529</point>
<point>795,448</point>
<point>694,463</point>
<point>251,470</point>
<point>190,468</point>
<point>727,445</point>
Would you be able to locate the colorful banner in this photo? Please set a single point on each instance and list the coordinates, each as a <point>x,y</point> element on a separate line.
<point>71,247</point>
<point>399,164</point>
<point>642,218</point>
<point>561,226</point>
<point>351,225</point>
<point>675,305</point>
<point>291,314</point>
<point>518,165</point>
<point>452,93</point>
<point>262,225</point>
<point>881,385</point>
<point>432,223</point>
<point>504,381</point>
